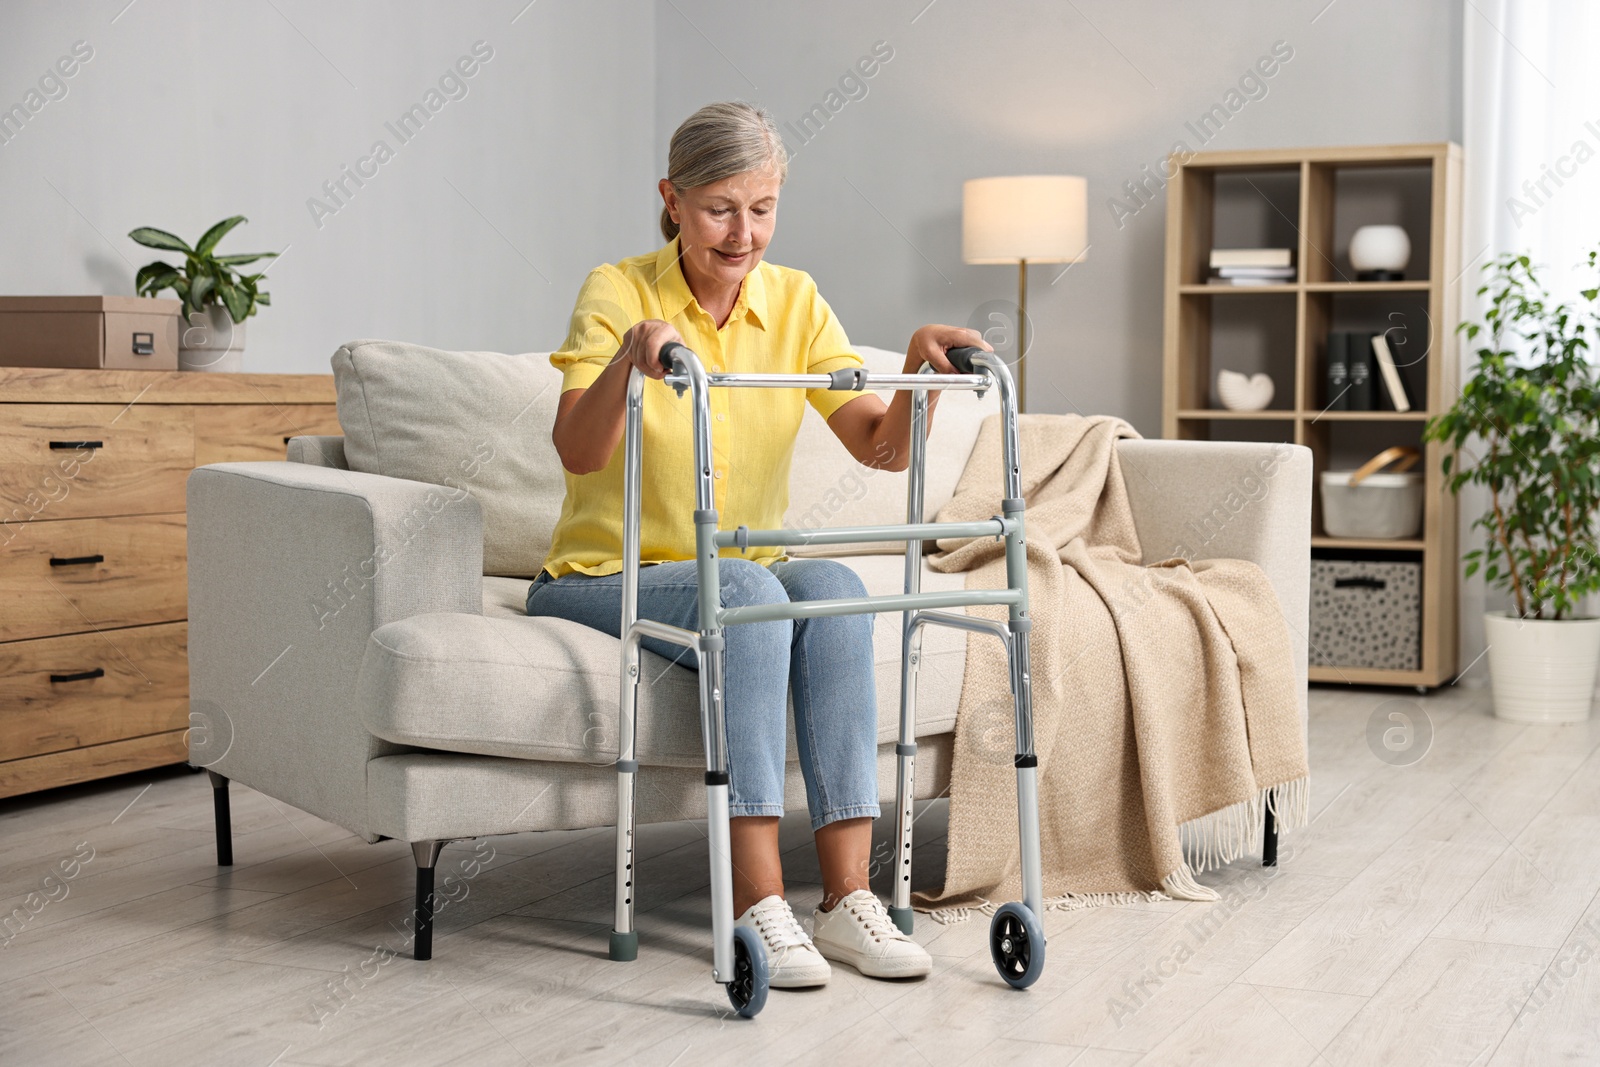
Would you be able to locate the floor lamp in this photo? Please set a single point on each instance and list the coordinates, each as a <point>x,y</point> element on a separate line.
<point>1035,218</point>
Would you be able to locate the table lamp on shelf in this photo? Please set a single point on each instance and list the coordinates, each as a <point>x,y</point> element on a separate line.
<point>1034,218</point>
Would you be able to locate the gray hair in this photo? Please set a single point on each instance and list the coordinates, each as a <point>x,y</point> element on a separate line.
<point>718,141</point>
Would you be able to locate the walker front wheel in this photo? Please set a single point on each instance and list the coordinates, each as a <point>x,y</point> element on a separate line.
<point>748,989</point>
<point>1016,943</point>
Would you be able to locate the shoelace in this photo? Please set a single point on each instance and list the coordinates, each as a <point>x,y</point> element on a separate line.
<point>778,926</point>
<point>870,913</point>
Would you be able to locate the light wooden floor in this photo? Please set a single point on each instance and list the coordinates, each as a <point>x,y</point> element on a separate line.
<point>1442,913</point>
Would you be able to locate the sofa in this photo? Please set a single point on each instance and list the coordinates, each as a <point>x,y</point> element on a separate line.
<point>359,648</point>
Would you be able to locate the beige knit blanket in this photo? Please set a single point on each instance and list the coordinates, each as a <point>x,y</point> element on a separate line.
<point>1164,698</point>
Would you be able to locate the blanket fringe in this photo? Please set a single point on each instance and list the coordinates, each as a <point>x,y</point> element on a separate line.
<point>1180,885</point>
<point>1064,902</point>
<point>1213,840</point>
<point>1209,842</point>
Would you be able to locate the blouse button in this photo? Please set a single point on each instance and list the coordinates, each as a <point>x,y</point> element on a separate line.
<point>719,473</point>
<point>722,416</point>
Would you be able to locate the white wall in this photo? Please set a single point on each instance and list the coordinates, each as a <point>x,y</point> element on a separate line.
<point>191,111</point>
<point>872,207</point>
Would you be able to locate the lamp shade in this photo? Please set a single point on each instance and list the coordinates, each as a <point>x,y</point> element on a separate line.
<point>1042,218</point>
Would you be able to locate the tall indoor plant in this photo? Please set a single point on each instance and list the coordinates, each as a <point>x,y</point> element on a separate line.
<point>216,297</point>
<point>1529,412</point>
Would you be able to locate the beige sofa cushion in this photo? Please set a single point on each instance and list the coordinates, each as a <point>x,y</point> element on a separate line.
<point>476,421</point>
<point>502,684</point>
<point>831,489</point>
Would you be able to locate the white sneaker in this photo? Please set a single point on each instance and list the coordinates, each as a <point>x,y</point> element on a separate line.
<point>793,962</point>
<point>858,931</point>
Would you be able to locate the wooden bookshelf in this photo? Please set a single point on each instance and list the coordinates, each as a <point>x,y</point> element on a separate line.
<point>1310,200</point>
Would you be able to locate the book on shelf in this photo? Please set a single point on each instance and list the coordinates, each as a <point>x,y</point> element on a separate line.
<point>1360,365</point>
<point>1251,257</point>
<point>1247,280</point>
<point>1338,395</point>
<point>1251,276</point>
<point>1286,273</point>
<point>1394,389</point>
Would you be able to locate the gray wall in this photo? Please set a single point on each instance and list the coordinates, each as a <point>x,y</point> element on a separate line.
<point>474,235</point>
<point>872,207</point>
<point>478,231</point>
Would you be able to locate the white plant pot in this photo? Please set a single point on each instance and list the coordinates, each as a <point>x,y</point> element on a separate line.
<point>1542,670</point>
<point>211,341</point>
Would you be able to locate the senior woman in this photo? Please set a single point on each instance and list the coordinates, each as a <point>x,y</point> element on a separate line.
<point>709,288</point>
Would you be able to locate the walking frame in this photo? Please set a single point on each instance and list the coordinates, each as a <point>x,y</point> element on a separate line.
<point>738,958</point>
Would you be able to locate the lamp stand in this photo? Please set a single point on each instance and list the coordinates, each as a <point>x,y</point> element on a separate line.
<point>1022,334</point>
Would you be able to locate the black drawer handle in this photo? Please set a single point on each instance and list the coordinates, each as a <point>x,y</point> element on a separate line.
<point>76,444</point>
<point>98,672</point>
<point>73,561</point>
<point>1362,583</point>
<point>144,344</point>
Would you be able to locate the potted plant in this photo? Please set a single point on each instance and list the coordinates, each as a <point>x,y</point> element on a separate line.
<point>1532,408</point>
<point>216,297</point>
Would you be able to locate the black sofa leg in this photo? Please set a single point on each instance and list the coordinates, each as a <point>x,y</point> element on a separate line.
<point>219,805</point>
<point>426,854</point>
<point>1269,840</point>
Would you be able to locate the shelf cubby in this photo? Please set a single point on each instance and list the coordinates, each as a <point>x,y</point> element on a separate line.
<point>1312,200</point>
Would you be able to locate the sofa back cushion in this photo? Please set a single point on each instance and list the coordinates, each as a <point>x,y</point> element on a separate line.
<point>829,488</point>
<point>478,421</point>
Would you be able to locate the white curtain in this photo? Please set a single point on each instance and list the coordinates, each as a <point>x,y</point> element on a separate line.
<point>1531,139</point>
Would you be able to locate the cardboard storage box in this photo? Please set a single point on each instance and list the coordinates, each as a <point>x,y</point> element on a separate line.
<point>102,332</point>
<point>1366,613</point>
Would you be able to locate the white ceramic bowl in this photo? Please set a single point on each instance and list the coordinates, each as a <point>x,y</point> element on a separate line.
<point>1380,248</point>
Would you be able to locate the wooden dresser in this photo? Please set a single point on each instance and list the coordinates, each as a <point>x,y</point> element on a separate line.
<point>94,674</point>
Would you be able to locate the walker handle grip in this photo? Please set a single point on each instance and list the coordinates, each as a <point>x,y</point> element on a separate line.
<point>668,357</point>
<point>961,358</point>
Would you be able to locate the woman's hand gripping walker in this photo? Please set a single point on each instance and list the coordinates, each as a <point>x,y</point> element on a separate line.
<point>738,959</point>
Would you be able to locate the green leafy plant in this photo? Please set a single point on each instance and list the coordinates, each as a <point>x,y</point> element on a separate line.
<point>1532,406</point>
<point>205,278</point>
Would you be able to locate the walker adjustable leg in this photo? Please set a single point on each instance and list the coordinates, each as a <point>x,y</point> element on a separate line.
<point>721,849</point>
<point>426,853</point>
<point>906,758</point>
<point>224,818</point>
<point>624,938</point>
<point>721,876</point>
<point>910,658</point>
<point>1027,776</point>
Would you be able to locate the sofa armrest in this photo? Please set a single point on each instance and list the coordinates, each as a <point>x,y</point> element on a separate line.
<point>1229,500</point>
<point>291,568</point>
<point>318,451</point>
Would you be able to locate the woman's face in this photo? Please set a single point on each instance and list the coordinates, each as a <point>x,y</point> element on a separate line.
<point>725,226</point>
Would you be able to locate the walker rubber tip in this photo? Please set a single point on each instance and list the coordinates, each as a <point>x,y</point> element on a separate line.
<point>624,947</point>
<point>903,918</point>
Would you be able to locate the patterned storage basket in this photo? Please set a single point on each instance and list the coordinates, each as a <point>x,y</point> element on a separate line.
<point>1366,614</point>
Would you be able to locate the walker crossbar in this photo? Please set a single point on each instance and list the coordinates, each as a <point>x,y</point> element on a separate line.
<point>839,535</point>
<point>863,605</point>
<point>738,960</point>
<point>855,382</point>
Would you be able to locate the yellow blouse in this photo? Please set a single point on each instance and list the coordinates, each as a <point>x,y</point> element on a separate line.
<point>780,324</point>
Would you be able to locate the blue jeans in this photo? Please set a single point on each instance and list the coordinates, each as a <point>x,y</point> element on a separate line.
<point>827,660</point>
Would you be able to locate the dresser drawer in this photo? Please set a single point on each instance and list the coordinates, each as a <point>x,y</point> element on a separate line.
<point>70,461</point>
<point>60,693</point>
<point>235,433</point>
<point>78,575</point>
